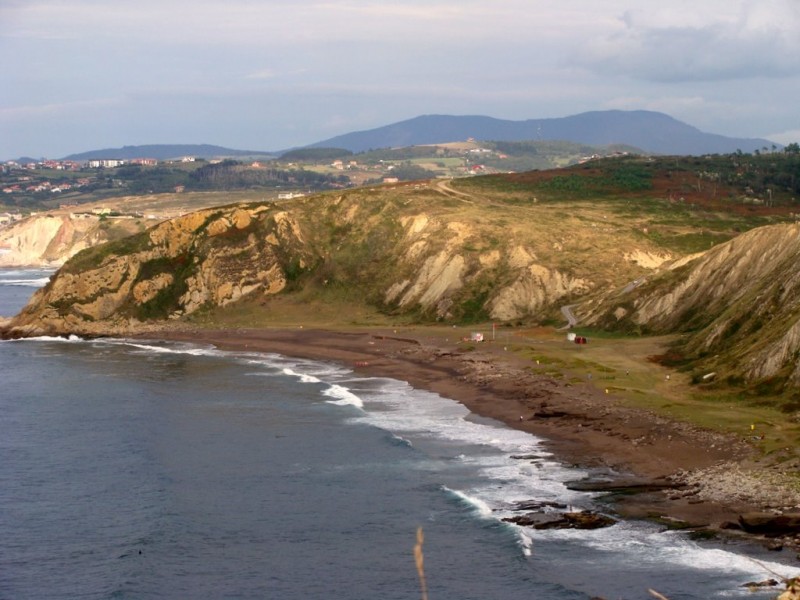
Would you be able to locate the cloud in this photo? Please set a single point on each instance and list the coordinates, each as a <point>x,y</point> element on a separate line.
<point>277,22</point>
<point>785,137</point>
<point>56,109</point>
<point>275,73</point>
<point>408,10</point>
<point>262,74</point>
<point>751,40</point>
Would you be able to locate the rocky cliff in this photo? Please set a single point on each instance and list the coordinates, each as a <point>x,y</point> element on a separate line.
<point>737,304</point>
<point>50,239</point>
<point>432,253</point>
<point>404,251</point>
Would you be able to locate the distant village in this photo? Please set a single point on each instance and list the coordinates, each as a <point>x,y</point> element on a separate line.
<point>103,212</point>
<point>32,184</point>
<point>32,178</point>
<point>47,184</point>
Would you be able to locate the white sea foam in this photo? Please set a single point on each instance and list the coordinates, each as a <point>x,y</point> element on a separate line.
<point>482,446</point>
<point>482,455</point>
<point>307,371</point>
<point>294,367</point>
<point>478,505</point>
<point>5,272</point>
<point>525,541</point>
<point>643,545</point>
<point>38,282</point>
<point>396,406</point>
<point>71,339</point>
<point>343,396</point>
<point>507,481</point>
<point>500,481</point>
<point>482,458</point>
<point>401,440</point>
<point>25,277</point>
<point>158,348</point>
<point>303,377</point>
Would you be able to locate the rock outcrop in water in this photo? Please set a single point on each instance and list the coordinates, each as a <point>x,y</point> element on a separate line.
<point>584,519</point>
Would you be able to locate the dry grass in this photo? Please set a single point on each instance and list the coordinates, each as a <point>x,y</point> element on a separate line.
<point>172,204</point>
<point>289,311</point>
<point>419,559</point>
<point>621,365</point>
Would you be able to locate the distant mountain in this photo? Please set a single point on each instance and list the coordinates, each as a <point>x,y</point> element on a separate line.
<point>651,131</point>
<point>166,151</point>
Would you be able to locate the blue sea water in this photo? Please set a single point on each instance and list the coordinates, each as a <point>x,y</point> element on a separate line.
<point>144,469</point>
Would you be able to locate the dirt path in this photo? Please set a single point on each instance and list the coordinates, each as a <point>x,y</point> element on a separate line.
<point>443,187</point>
<point>572,320</point>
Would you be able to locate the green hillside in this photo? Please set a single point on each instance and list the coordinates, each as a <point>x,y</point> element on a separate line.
<point>511,248</point>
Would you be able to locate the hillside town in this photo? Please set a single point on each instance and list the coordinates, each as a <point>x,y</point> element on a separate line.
<point>52,183</point>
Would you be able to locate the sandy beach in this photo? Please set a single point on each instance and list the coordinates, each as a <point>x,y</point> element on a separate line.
<point>662,469</point>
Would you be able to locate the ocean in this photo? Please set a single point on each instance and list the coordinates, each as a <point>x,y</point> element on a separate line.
<point>143,469</point>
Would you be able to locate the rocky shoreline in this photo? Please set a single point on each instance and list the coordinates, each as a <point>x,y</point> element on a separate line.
<point>666,471</point>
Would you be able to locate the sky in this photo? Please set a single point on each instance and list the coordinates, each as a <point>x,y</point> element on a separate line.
<point>81,75</point>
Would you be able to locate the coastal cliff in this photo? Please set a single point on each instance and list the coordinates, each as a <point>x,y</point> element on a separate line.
<point>431,253</point>
<point>406,251</point>
<point>737,306</point>
<point>50,239</point>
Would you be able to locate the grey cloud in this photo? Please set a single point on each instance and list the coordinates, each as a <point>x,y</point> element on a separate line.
<point>716,52</point>
<point>275,73</point>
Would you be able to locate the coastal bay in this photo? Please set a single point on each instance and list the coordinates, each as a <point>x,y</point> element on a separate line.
<point>227,465</point>
<point>669,470</point>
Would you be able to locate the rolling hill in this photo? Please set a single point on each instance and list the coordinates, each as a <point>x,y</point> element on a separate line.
<point>166,152</point>
<point>617,238</point>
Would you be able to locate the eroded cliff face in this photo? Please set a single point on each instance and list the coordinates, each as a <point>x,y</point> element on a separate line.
<point>401,253</point>
<point>49,240</point>
<point>444,264</point>
<point>207,258</point>
<point>535,287</point>
<point>739,304</point>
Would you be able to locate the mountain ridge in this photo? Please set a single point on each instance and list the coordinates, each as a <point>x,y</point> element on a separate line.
<point>651,131</point>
